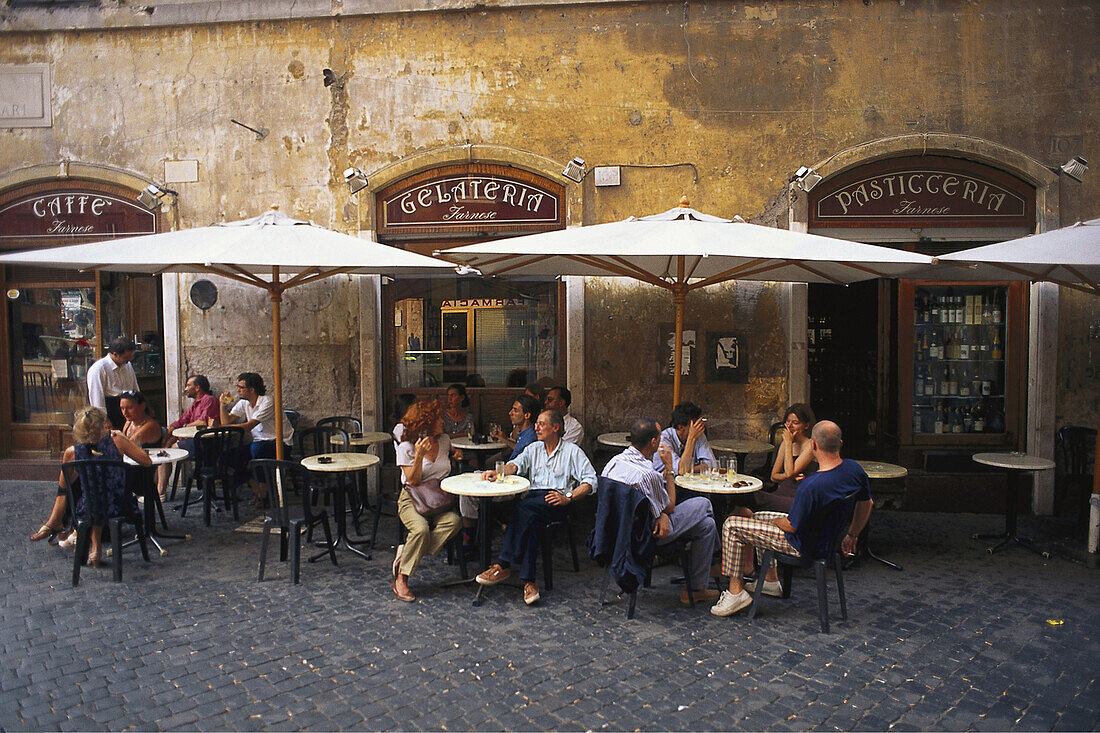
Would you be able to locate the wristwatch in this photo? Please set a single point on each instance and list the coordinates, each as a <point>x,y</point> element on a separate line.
<point>569,495</point>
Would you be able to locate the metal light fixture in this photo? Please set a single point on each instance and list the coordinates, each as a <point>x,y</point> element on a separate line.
<point>355,179</point>
<point>574,170</point>
<point>1076,168</point>
<point>806,178</point>
<point>151,196</point>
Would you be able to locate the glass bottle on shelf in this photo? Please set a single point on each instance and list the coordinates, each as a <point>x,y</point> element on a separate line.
<point>996,314</point>
<point>996,353</point>
<point>937,428</point>
<point>935,309</point>
<point>929,384</point>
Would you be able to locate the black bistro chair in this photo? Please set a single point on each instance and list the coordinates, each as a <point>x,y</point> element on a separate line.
<point>347,424</point>
<point>548,546</point>
<point>831,521</point>
<point>93,477</point>
<point>291,509</point>
<point>1076,459</point>
<point>211,445</point>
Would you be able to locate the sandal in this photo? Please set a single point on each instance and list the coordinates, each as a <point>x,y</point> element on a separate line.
<point>45,532</point>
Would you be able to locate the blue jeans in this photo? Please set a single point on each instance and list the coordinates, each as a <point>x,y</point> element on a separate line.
<point>238,458</point>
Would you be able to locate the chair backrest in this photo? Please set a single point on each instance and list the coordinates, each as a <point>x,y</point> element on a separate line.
<point>212,443</point>
<point>98,479</point>
<point>827,527</point>
<point>1076,450</point>
<point>293,417</point>
<point>345,423</point>
<point>282,478</point>
<point>315,440</point>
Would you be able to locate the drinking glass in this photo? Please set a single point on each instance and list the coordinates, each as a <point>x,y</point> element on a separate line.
<point>731,469</point>
<point>500,470</point>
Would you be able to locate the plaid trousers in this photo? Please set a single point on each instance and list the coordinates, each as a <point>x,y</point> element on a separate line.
<point>757,531</point>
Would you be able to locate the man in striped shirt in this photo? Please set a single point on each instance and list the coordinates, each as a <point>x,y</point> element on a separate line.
<point>692,519</point>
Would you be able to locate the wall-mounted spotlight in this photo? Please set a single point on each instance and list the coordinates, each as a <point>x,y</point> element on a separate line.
<point>806,178</point>
<point>574,170</point>
<point>355,179</point>
<point>151,196</point>
<point>1075,168</point>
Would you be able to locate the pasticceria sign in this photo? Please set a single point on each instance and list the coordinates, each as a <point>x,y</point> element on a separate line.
<point>924,191</point>
<point>465,199</point>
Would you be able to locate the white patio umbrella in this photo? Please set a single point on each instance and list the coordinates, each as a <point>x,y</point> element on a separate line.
<point>258,251</point>
<point>682,250</point>
<point>1070,257</point>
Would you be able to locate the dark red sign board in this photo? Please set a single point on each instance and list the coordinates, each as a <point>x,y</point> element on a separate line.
<point>72,214</point>
<point>924,191</point>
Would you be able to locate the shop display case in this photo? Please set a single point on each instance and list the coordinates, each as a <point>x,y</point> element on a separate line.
<point>963,355</point>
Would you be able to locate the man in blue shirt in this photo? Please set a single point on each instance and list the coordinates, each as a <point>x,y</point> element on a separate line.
<point>560,473</point>
<point>522,416</point>
<point>686,437</point>
<point>836,478</point>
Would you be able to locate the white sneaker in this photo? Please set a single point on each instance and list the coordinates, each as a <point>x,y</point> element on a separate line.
<point>771,587</point>
<point>729,604</point>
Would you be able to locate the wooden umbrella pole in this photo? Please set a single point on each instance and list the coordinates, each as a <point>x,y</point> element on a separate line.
<point>678,346</point>
<point>1094,500</point>
<point>277,354</point>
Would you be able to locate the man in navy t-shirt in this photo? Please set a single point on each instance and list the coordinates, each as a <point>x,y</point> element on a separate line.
<point>835,478</point>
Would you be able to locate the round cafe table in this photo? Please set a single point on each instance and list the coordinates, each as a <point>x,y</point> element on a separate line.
<point>741,448</point>
<point>614,440</point>
<point>877,471</point>
<point>696,482</point>
<point>148,486</point>
<point>185,432</point>
<point>472,485</point>
<point>1014,465</point>
<point>479,450</point>
<point>362,440</point>
<point>341,464</point>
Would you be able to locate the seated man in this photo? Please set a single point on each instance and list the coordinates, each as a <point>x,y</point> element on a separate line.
<point>522,416</point>
<point>559,398</point>
<point>255,412</point>
<point>560,473</point>
<point>203,412</point>
<point>686,437</point>
<point>691,520</point>
<point>836,478</point>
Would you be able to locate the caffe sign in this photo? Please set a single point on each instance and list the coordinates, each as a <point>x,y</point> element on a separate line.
<point>928,193</point>
<point>73,214</point>
<point>473,199</point>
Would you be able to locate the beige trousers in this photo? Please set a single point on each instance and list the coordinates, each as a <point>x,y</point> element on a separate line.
<point>427,535</point>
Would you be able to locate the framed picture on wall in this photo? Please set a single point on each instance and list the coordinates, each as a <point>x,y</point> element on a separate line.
<point>727,357</point>
<point>689,365</point>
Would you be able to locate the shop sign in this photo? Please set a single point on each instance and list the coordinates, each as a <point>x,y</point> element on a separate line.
<point>923,194</point>
<point>73,214</point>
<point>484,303</point>
<point>469,200</point>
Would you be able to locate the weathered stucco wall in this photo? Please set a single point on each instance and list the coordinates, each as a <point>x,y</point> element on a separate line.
<point>1078,359</point>
<point>746,92</point>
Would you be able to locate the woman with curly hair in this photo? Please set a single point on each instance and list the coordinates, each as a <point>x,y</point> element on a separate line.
<point>424,508</point>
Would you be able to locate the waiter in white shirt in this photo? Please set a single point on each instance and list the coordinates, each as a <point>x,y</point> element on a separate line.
<point>109,377</point>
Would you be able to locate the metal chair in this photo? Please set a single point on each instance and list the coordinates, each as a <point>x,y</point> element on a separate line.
<point>1075,453</point>
<point>347,424</point>
<point>548,546</point>
<point>211,446</point>
<point>284,478</point>
<point>830,524</point>
<point>319,439</point>
<point>94,477</point>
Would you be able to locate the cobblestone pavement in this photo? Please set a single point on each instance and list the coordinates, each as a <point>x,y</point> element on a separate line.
<point>959,640</point>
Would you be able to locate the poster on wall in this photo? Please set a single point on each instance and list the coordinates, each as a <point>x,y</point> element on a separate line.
<point>689,368</point>
<point>727,357</point>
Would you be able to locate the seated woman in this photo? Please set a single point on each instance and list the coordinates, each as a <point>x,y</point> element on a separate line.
<point>457,420</point>
<point>139,427</point>
<point>424,458</point>
<point>793,461</point>
<point>93,437</point>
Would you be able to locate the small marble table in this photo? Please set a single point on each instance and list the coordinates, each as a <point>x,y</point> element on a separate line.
<point>185,432</point>
<point>479,450</point>
<point>1014,465</point>
<point>695,482</point>
<point>614,440</point>
<point>877,471</point>
<point>342,464</point>
<point>472,485</point>
<point>741,448</point>
<point>362,440</point>
<point>152,504</point>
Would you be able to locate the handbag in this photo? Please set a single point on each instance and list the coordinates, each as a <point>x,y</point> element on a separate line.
<point>429,498</point>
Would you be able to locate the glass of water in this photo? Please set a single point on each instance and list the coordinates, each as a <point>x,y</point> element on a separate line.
<point>500,470</point>
<point>731,469</point>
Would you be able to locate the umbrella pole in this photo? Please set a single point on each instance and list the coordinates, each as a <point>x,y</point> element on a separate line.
<point>277,357</point>
<point>678,346</point>
<point>1094,503</point>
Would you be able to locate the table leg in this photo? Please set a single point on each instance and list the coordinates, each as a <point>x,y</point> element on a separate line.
<point>339,508</point>
<point>484,533</point>
<point>1012,500</point>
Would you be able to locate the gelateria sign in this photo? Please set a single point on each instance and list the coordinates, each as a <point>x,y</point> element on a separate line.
<point>470,201</point>
<point>925,193</point>
<point>72,214</point>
